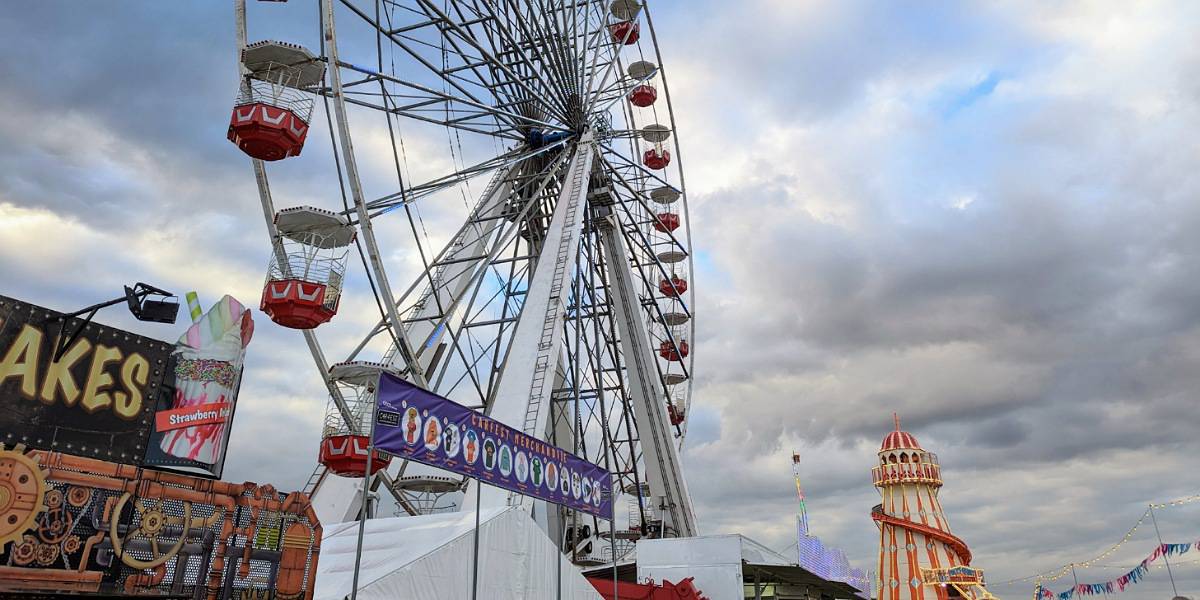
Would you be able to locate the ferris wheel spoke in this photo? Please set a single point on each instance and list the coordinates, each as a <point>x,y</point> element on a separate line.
<point>640,202</point>
<point>632,171</point>
<point>509,77</point>
<point>496,131</point>
<point>435,274</point>
<point>602,57</point>
<point>505,46</point>
<point>415,192</point>
<point>466,273</point>
<point>553,39</point>
<point>511,120</point>
<point>398,41</point>
<point>609,94</point>
<point>508,45</point>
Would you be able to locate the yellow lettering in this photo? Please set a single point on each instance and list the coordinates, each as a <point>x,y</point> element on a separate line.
<point>134,374</point>
<point>22,358</point>
<point>94,395</point>
<point>59,377</point>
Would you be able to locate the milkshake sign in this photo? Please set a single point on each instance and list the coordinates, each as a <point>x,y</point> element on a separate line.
<point>192,424</point>
<point>419,425</point>
<point>118,396</point>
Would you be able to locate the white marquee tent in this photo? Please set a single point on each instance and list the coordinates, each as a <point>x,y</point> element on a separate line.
<point>430,557</point>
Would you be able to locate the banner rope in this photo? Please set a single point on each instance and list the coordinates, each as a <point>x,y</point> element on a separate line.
<point>1059,573</point>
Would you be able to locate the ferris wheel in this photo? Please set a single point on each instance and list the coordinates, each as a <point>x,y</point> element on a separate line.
<point>561,304</point>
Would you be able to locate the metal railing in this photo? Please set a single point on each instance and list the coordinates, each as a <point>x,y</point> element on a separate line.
<point>907,473</point>
<point>256,91</point>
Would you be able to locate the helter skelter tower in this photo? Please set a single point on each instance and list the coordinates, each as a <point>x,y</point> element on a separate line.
<point>560,304</point>
<point>919,558</point>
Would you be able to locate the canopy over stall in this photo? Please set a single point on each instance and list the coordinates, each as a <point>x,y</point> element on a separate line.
<point>733,566</point>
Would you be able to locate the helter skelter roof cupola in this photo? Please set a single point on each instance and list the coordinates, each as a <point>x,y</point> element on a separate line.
<point>274,105</point>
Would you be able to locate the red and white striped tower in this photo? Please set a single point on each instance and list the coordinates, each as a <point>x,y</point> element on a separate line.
<point>919,558</point>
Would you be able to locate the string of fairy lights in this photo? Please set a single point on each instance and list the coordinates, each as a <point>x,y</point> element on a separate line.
<point>1068,569</point>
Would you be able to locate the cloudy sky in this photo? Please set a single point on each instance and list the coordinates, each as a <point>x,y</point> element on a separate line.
<point>979,215</point>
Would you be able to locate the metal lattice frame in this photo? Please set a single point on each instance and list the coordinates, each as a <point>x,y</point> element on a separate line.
<point>543,84</point>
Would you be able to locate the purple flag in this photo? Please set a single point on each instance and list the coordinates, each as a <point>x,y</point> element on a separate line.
<point>419,425</point>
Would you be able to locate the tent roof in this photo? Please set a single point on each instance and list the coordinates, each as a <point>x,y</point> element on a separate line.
<point>381,554</point>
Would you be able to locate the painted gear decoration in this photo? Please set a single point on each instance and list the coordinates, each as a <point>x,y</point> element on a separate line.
<point>55,524</point>
<point>78,496</point>
<point>46,554</point>
<point>153,523</point>
<point>54,498</point>
<point>22,493</point>
<point>25,552</point>
<point>71,544</point>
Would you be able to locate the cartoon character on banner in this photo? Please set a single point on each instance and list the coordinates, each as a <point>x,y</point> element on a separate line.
<point>536,476</point>
<point>450,440</point>
<point>489,454</point>
<point>433,431</point>
<point>565,481</point>
<point>471,448</point>
<point>412,423</point>
<point>522,467</point>
<point>551,476</point>
<point>505,460</point>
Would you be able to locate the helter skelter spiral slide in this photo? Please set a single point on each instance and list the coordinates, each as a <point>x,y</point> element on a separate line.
<point>562,302</point>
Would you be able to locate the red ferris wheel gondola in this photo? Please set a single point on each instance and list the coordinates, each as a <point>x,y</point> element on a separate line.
<point>271,115</point>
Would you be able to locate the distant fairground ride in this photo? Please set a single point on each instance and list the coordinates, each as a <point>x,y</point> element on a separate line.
<point>916,548</point>
<point>561,305</point>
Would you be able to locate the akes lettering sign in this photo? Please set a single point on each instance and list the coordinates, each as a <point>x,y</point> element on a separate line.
<point>97,399</point>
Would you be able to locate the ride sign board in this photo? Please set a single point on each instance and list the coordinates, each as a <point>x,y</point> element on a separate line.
<point>95,399</point>
<point>952,575</point>
<point>419,425</point>
<point>118,396</point>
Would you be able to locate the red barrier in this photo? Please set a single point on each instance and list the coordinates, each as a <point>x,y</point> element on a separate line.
<point>684,590</point>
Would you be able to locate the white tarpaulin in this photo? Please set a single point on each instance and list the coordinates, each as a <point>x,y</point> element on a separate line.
<point>723,564</point>
<point>714,561</point>
<point>429,558</point>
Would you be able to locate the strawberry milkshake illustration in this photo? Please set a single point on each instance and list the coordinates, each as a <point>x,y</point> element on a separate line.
<point>208,368</point>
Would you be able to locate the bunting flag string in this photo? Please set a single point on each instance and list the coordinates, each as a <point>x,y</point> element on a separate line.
<point>1056,574</point>
<point>1119,584</point>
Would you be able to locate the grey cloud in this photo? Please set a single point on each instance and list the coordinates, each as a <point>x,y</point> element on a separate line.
<point>1042,340</point>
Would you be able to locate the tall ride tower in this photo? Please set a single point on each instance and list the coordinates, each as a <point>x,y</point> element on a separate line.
<point>802,517</point>
<point>826,562</point>
<point>919,558</point>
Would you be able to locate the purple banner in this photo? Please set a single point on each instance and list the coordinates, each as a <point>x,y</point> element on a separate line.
<point>419,425</point>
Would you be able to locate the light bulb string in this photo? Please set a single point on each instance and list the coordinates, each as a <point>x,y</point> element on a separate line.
<point>1055,574</point>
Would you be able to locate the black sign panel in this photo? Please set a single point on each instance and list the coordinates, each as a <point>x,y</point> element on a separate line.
<point>97,399</point>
